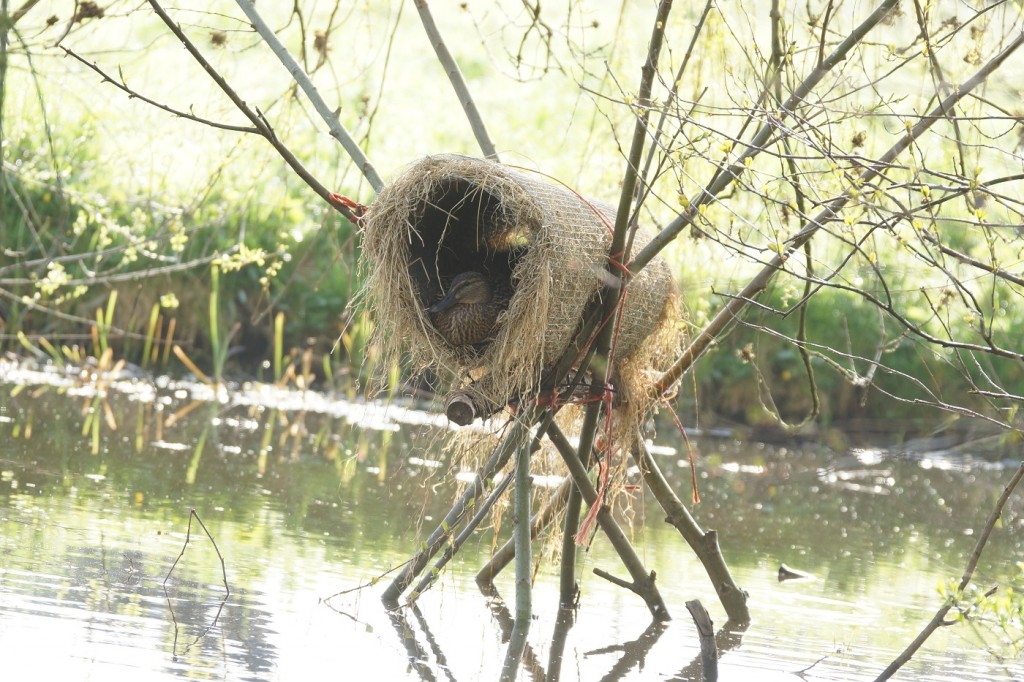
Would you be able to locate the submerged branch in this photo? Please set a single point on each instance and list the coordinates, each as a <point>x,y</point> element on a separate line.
<point>443,533</point>
<point>708,648</point>
<point>643,583</point>
<point>541,520</point>
<point>703,544</point>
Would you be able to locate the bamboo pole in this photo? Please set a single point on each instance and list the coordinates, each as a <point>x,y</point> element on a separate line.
<point>524,562</point>
<point>517,433</point>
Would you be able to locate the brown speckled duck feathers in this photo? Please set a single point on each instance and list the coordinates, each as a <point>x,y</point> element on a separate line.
<point>468,314</point>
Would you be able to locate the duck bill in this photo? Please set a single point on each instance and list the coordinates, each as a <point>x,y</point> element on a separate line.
<point>444,304</point>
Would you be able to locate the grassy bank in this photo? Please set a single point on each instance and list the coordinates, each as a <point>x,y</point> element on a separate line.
<point>287,289</point>
<point>129,228</point>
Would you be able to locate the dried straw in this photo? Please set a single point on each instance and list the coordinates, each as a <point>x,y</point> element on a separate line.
<point>550,245</point>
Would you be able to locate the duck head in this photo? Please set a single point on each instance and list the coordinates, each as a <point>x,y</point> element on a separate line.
<point>468,288</point>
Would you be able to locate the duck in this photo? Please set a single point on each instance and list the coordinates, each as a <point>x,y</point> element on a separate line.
<point>468,313</point>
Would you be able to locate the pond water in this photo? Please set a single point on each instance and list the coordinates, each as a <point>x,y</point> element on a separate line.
<point>303,505</point>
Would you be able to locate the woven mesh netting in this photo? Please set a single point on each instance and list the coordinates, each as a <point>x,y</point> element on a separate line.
<point>536,239</point>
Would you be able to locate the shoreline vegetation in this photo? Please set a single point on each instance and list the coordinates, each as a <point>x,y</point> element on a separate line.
<point>220,318</point>
<point>132,229</point>
<point>287,301</point>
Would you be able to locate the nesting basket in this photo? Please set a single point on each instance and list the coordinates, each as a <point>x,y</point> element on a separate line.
<point>540,240</point>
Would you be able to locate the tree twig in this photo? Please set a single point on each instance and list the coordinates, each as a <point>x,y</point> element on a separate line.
<point>831,208</point>
<point>257,119</point>
<point>727,174</point>
<point>451,68</point>
<point>464,534</point>
<point>674,90</point>
<point>536,525</point>
<point>21,11</point>
<point>940,616</point>
<point>612,296</point>
<point>224,575</point>
<point>337,130</point>
<point>132,94</point>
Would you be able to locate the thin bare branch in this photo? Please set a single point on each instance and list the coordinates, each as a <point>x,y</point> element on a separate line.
<point>22,11</point>
<point>257,119</point>
<point>451,69</point>
<point>330,117</point>
<point>940,616</point>
<point>132,94</point>
<point>826,215</point>
<point>729,173</point>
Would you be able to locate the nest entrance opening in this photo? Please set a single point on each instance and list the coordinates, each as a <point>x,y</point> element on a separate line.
<point>539,245</point>
<point>461,227</point>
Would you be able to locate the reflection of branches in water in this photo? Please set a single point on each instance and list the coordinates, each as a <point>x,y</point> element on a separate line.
<point>435,648</point>
<point>726,639</point>
<point>417,655</point>
<point>506,622</point>
<point>224,575</point>
<point>565,620</point>
<point>634,652</point>
<point>132,572</point>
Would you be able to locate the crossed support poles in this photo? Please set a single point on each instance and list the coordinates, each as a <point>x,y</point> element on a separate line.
<point>594,337</point>
<point>524,436</point>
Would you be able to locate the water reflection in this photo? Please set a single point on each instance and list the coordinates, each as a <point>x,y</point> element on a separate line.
<point>310,502</point>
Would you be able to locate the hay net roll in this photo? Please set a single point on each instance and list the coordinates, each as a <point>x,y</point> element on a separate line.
<point>540,241</point>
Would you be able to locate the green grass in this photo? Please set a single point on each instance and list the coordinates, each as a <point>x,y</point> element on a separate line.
<point>105,198</point>
<point>307,275</point>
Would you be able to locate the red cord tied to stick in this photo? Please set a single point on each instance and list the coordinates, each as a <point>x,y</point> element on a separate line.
<point>601,447</point>
<point>348,206</point>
